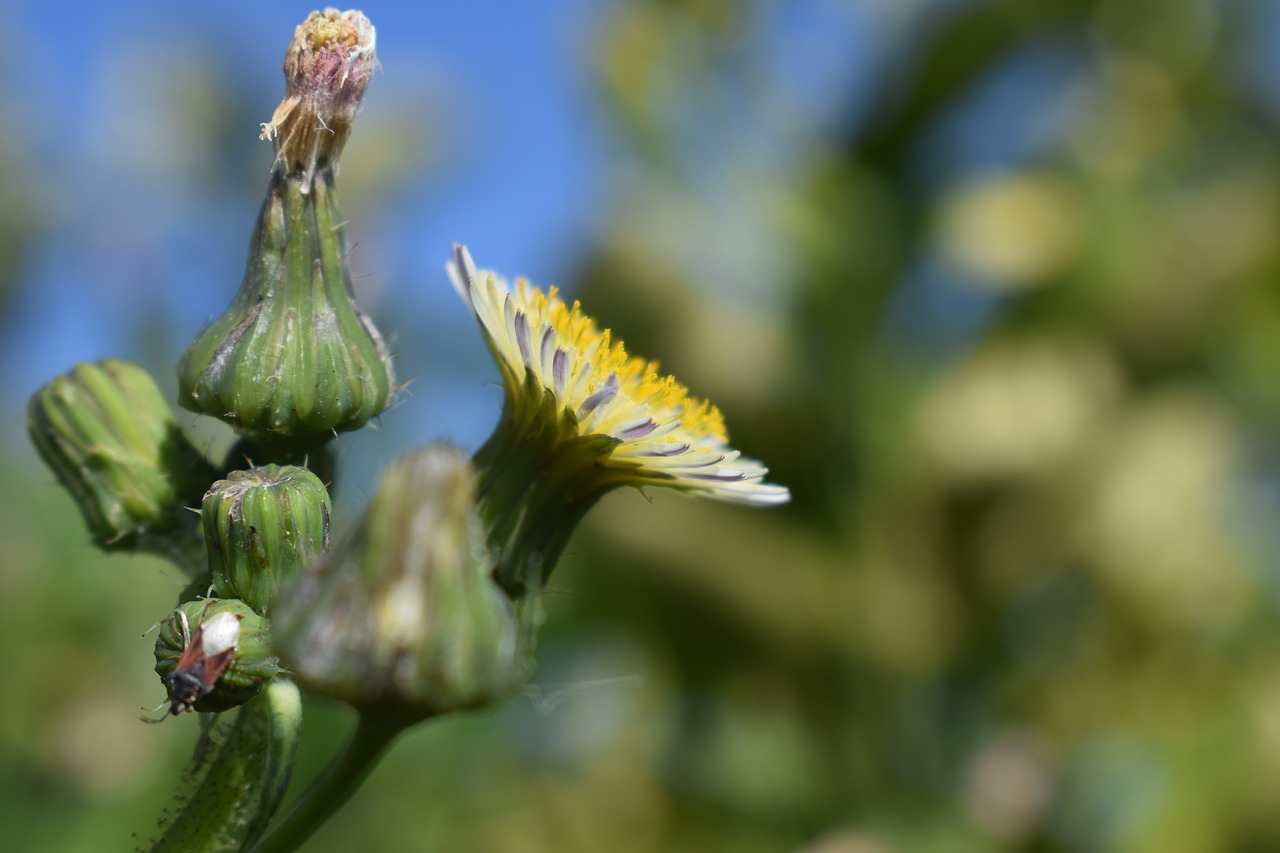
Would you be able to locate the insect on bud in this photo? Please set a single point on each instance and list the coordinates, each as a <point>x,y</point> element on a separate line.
<point>110,437</point>
<point>262,526</point>
<point>404,614</point>
<point>212,655</point>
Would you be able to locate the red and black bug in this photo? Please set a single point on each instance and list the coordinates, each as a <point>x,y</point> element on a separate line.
<point>205,656</point>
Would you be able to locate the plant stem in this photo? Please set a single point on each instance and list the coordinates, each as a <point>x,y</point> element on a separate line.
<point>333,787</point>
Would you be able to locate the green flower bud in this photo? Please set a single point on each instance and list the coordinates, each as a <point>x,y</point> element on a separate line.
<point>262,526</point>
<point>293,359</point>
<point>213,654</point>
<point>404,615</point>
<point>110,437</point>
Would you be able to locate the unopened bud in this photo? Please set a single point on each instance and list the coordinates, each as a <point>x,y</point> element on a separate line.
<point>326,70</point>
<point>213,654</point>
<point>404,614</point>
<point>262,526</point>
<point>110,437</point>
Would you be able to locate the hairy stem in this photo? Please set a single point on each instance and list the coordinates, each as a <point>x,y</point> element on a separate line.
<point>339,781</point>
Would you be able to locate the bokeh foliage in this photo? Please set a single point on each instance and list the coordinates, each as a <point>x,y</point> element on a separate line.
<point>1007,328</point>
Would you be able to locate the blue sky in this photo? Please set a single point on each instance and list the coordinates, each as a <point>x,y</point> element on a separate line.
<point>499,95</point>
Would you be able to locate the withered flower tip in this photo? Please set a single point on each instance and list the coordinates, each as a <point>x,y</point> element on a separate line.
<point>326,69</point>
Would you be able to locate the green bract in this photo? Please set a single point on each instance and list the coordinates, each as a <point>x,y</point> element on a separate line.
<point>262,526</point>
<point>293,359</point>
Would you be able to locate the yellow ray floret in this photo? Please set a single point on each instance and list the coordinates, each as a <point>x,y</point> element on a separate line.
<point>665,436</point>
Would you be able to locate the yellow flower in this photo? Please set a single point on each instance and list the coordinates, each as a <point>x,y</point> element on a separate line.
<point>655,432</point>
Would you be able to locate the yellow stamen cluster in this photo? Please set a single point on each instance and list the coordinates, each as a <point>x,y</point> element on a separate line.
<point>638,380</point>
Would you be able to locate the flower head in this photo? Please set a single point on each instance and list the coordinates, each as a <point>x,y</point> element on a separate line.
<point>658,433</point>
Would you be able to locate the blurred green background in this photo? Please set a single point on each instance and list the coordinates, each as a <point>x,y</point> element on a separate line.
<point>992,286</point>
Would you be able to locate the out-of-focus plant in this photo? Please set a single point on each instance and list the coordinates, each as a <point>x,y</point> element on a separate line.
<point>428,604</point>
<point>1026,314</point>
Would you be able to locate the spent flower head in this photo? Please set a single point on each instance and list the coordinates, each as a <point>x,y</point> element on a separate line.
<point>326,70</point>
<point>294,360</point>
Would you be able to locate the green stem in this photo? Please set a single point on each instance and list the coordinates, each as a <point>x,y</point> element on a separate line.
<point>332,788</point>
